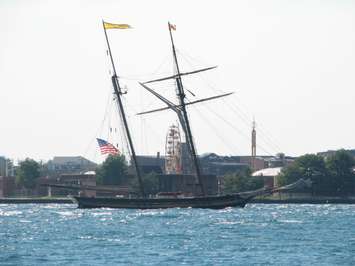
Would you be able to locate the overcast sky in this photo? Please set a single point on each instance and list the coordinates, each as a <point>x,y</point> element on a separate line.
<point>291,65</point>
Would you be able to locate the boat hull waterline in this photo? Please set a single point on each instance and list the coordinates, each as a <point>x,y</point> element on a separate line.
<point>207,202</point>
<point>212,202</point>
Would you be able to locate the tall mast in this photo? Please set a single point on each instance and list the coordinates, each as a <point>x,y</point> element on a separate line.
<point>189,138</point>
<point>253,147</point>
<point>118,93</point>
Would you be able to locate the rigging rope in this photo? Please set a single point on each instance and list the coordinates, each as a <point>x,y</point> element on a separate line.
<point>221,138</point>
<point>263,137</point>
<point>132,109</point>
<point>235,128</point>
<point>149,75</point>
<point>100,127</point>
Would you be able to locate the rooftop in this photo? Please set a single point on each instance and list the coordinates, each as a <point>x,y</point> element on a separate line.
<point>268,172</point>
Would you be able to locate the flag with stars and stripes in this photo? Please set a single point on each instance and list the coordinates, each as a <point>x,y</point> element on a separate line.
<point>107,148</point>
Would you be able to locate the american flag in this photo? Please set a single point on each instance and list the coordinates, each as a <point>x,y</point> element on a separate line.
<point>106,147</point>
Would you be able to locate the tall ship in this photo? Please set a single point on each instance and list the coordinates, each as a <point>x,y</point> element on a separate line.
<point>200,199</point>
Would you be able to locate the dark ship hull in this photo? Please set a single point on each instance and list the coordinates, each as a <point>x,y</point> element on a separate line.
<point>207,202</point>
<point>210,202</point>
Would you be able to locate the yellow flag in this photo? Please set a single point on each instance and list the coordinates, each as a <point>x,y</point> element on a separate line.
<point>108,26</point>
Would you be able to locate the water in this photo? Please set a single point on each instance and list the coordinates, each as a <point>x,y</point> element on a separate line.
<point>257,235</point>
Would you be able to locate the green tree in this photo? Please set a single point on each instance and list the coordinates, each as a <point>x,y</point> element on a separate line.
<point>309,166</point>
<point>27,173</point>
<point>289,175</point>
<point>113,171</point>
<point>340,167</point>
<point>332,176</point>
<point>241,181</point>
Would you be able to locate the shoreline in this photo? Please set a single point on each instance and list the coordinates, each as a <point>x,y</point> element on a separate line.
<point>35,200</point>
<point>305,201</point>
<point>256,201</point>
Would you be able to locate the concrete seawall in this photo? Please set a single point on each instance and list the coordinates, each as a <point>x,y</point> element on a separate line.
<point>35,200</point>
<point>306,201</point>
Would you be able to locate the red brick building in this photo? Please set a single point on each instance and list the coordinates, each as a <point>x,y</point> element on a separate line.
<point>7,186</point>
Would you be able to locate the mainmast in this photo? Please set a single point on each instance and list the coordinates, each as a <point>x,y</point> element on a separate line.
<point>180,109</point>
<point>253,147</point>
<point>181,95</point>
<point>118,93</point>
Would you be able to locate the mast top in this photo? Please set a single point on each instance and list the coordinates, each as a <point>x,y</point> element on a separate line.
<point>171,26</point>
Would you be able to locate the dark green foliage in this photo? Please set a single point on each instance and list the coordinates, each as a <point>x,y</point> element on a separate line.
<point>241,181</point>
<point>27,173</point>
<point>309,166</point>
<point>289,175</point>
<point>340,167</point>
<point>113,171</point>
<point>333,176</point>
<point>43,169</point>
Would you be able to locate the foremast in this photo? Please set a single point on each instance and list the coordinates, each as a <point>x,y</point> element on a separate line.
<point>181,95</point>
<point>118,92</point>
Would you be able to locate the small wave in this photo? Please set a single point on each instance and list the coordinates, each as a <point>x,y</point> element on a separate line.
<point>66,213</point>
<point>69,214</point>
<point>291,221</point>
<point>229,222</point>
<point>100,238</point>
<point>10,213</point>
<point>50,206</point>
<point>226,210</point>
<point>86,237</point>
<point>152,213</point>
<point>282,206</point>
<point>106,219</point>
<point>25,221</point>
<point>101,213</point>
<point>157,213</point>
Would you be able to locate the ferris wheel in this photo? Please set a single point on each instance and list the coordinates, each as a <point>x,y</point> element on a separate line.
<point>173,151</point>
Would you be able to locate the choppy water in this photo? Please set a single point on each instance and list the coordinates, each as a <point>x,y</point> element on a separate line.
<point>257,235</point>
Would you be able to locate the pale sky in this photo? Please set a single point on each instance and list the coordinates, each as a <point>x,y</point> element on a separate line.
<point>291,65</point>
